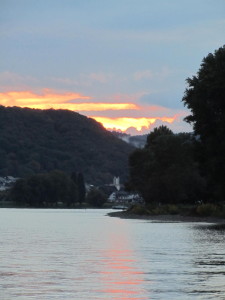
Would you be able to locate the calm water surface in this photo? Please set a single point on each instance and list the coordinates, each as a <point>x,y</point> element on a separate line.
<point>84,254</point>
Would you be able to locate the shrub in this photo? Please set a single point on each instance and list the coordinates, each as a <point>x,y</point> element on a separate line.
<point>96,197</point>
<point>138,210</point>
<point>172,209</point>
<point>208,210</point>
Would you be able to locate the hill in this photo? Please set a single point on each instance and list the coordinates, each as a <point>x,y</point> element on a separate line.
<point>137,141</point>
<point>36,141</point>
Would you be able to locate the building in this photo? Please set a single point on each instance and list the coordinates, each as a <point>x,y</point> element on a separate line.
<point>7,182</point>
<point>123,197</point>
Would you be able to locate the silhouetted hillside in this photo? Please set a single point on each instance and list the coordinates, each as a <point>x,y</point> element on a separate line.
<point>35,141</point>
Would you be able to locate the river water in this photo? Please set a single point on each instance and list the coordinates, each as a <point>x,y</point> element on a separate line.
<point>84,254</point>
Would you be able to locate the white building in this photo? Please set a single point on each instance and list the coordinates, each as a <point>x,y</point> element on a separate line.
<point>6,182</point>
<point>125,197</point>
<point>116,183</point>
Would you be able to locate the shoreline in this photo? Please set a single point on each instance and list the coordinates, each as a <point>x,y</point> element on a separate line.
<point>167,218</point>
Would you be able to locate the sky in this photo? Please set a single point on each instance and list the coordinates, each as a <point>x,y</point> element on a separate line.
<point>122,62</point>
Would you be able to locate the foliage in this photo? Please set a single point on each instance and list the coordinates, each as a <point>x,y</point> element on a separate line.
<point>81,188</point>
<point>37,141</point>
<point>96,197</point>
<point>138,210</point>
<point>159,131</point>
<point>78,179</point>
<point>210,210</point>
<point>205,97</point>
<point>165,171</point>
<point>3,195</point>
<point>45,190</point>
<point>169,209</point>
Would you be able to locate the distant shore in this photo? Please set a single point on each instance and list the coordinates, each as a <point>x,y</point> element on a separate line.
<point>167,218</point>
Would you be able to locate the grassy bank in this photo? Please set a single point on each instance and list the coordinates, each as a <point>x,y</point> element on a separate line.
<point>171,212</point>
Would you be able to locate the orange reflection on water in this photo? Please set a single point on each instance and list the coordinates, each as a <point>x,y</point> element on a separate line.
<point>119,272</point>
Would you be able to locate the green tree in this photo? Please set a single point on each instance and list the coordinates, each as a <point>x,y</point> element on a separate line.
<point>205,97</point>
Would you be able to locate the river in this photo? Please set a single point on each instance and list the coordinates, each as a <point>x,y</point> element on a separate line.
<point>84,254</point>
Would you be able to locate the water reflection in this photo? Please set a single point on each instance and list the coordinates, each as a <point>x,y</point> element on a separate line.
<point>119,270</point>
<point>80,255</point>
<point>209,260</point>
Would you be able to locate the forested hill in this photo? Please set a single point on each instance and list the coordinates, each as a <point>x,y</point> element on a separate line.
<point>35,141</point>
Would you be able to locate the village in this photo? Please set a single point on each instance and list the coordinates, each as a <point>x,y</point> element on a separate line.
<point>117,196</point>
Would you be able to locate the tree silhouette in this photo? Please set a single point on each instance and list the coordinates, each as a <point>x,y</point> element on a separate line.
<point>205,97</point>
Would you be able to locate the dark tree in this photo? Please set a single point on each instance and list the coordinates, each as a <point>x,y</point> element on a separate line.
<point>20,193</point>
<point>81,188</point>
<point>96,197</point>
<point>159,131</point>
<point>205,97</point>
<point>45,190</point>
<point>74,177</point>
<point>164,171</point>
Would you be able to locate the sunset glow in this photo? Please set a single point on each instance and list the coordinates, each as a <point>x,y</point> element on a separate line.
<point>125,123</point>
<point>28,98</point>
<point>124,116</point>
<point>49,99</point>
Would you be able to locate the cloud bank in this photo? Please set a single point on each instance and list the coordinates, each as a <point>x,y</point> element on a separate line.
<point>123,116</point>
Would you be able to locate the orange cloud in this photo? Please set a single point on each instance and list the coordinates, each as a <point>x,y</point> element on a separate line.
<point>27,98</point>
<point>110,114</point>
<point>50,99</point>
<point>125,123</point>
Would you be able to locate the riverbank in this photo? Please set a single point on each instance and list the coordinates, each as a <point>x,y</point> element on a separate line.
<point>167,218</point>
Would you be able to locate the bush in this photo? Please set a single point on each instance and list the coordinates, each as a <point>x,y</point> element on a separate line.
<point>210,210</point>
<point>170,209</point>
<point>138,210</point>
<point>96,197</point>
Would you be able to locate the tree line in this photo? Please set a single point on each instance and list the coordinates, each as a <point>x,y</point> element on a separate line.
<point>185,168</point>
<point>54,189</point>
<point>36,141</point>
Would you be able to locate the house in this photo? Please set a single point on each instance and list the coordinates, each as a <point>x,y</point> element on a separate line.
<point>7,182</point>
<point>125,197</point>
